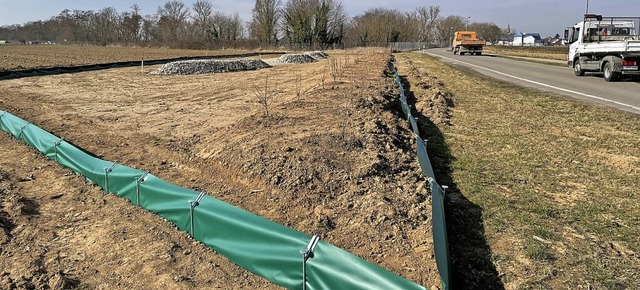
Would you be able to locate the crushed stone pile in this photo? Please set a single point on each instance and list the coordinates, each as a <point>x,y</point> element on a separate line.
<point>296,58</point>
<point>317,55</point>
<point>189,67</point>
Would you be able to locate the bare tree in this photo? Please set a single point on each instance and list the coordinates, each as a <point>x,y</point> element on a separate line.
<point>329,22</point>
<point>445,28</point>
<point>427,17</point>
<point>172,21</point>
<point>488,31</point>
<point>131,25</point>
<point>297,15</point>
<point>203,20</point>
<point>226,27</point>
<point>105,25</point>
<point>264,96</point>
<point>150,31</point>
<point>313,22</point>
<point>67,27</point>
<point>265,20</point>
<point>379,26</point>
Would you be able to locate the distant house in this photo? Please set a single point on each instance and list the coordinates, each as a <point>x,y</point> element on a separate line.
<point>527,39</point>
<point>504,41</point>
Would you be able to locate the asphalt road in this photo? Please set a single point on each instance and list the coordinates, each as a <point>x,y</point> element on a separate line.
<point>624,95</point>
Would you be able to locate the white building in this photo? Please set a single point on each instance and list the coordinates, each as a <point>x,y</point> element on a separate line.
<point>526,39</point>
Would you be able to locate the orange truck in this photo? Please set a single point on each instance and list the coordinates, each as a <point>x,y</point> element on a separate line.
<point>467,42</point>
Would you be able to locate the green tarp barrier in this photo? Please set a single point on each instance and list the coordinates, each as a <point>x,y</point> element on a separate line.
<point>259,245</point>
<point>440,234</point>
<point>441,246</point>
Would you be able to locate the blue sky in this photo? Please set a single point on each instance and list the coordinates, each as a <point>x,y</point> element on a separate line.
<point>546,17</point>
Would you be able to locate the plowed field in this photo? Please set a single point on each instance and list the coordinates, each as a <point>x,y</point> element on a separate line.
<point>334,157</point>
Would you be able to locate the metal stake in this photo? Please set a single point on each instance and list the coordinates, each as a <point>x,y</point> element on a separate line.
<point>193,204</point>
<point>106,177</point>
<point>55,147</point>
<point>306,254</point>
<point>418,138</point>
<point>140,180</point>
<point>22,129</point>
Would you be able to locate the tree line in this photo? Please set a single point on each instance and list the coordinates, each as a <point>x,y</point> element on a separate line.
<point>309,24</point>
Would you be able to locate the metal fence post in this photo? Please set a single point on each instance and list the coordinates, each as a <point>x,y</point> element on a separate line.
<point>106,177</point>
<point>21,130</point>
<point>55,148</point>
<point>140,180</point>
<point>192,206</point>
<point>306,254</point>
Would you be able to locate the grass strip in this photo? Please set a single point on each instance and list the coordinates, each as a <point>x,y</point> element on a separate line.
<point>557,181</point>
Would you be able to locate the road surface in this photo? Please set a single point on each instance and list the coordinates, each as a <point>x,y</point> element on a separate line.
<point>624,95</point>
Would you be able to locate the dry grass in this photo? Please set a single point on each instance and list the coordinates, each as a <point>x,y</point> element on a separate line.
<point>542,52</point>
<point>557,181</point>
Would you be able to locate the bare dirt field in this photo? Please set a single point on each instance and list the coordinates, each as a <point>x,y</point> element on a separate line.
<point>19,57</point>
<point>337,159</point>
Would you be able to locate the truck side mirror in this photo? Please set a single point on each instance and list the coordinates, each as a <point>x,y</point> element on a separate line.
<point>570,35</point>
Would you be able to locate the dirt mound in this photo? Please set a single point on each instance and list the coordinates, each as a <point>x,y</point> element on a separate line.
<point>189,67</point>
<point>432,99</point>
<point>347,170</point>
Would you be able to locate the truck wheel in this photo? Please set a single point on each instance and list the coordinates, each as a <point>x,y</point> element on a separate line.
<point>609,74</point>
<point>577,69</point>
<point>478,53</point>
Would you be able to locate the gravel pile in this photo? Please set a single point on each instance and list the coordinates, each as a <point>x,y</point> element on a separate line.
<point>296,58</point>
<point>317,55</point>
<point>189,67</point>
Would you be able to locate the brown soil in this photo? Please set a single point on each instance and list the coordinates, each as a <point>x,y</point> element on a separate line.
<point>339,161</point>
<point>428,94</point>
<point>20,57</point>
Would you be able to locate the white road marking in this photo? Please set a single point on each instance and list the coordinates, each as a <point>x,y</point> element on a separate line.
<point>541,84</point>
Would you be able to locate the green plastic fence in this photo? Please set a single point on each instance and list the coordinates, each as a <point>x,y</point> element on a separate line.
<point>259,245</point>
<point>441,246</point>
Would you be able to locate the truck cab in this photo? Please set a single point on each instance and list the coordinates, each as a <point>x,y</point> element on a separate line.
<point>604,45</point>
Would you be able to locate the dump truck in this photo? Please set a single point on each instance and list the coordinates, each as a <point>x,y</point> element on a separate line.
<point>607,45</point>
<point>467,42</point>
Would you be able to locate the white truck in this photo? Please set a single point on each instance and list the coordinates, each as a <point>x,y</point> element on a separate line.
<point>610,46</point>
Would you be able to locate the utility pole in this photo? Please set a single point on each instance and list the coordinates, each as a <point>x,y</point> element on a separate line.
<point>467,26</point>
<point>587,12</point>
